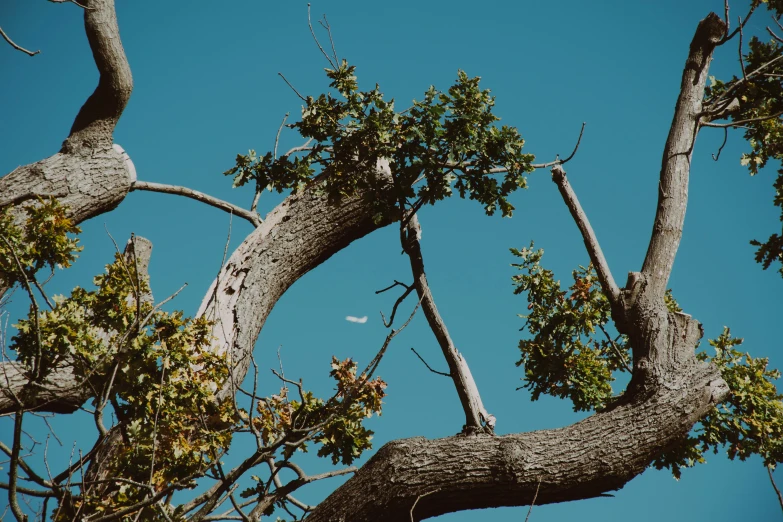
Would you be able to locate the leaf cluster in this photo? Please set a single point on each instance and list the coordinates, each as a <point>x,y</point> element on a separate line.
<point>42,240</point>
<point>157,370</point>
<point>566,356</point>
<point>448,141</point>
<point>336,424</point>
<point>749,422</point>
<point>758,94</point>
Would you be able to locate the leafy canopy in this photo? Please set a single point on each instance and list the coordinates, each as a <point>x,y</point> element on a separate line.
<point>447,141</point>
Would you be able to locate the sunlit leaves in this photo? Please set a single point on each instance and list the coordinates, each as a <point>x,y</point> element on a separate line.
<point>569,353</point>
<point>157,370</point>
<point>44,239</point>
<point>448,140</point>
<point>336,424</point>
<point>756,95</point>
<point>749,422</point>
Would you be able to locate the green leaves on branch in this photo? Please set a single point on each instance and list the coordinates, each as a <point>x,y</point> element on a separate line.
<point>758,95</point>
<point>336,424</point>
<point>564,357</point>
<point>567,356</point>
<point>749,422</point>
<point>43,240</point>
<point>449,140</point>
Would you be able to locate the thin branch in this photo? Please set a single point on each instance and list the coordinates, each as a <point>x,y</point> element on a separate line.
<point>310,25</point>
<point>616,350</point>
<point>740,122</point>
<point>728,36</point>
<point>417,501</point>
<point>368,372</point>
<point>559,161</point>
<point>739,51</point>
<point>535,496</point>
<point>716,157</point>
<point>13,501</point>
<point>427,365</point>
<point>199,196</point>
<point>292,87</point>
<point>775,486</point>
<point>18,48</point>
<point>610,288</point>
<point>408,290</point>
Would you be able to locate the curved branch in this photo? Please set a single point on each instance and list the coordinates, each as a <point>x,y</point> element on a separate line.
<point>95,122</point>
<point>15,46</point>
<point>253,217</point>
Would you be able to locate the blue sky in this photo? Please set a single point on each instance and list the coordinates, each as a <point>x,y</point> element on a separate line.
<point>206,88</point>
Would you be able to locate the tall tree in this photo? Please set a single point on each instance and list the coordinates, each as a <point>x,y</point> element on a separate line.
<point>173,386</point>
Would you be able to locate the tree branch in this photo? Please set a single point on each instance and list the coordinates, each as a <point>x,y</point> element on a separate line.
<point>252,217</point>
<point>94,125</point>
<point>18,48</point>
<point>611,291</point>
<point>675,169</point>
<point>460,373</point>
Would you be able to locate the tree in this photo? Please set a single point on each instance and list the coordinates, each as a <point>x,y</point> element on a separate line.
<point>362,146</point>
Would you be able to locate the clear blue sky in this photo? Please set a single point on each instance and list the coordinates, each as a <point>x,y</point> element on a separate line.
<point>206,88</point>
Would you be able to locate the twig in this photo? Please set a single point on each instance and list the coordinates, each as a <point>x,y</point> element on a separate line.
<point>310,25</point>
<point>616,350</point>
<point>427,365</point>
<point>775,486</point>
<point>368,372</point>
<point>716,157</point>
<point>408,290</point>
<point>559,161</point>
<point>199,196</point>
<point>325,25</point>
<point>740,122</point>
<point>292,87</point>
<point>535,496</point>
<point>739,51</point>
<point>13,473</point>
<point>18,48</point>
<point>417,501</point>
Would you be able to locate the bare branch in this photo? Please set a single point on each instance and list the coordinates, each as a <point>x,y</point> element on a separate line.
<point>534,498</point>
<point>716,157</point>
<point>741,122</point>
<point>18,48</point>
<point>608,285</point>
<point>460,373</point>
<point>252,217</point>
<point>427,365</point>
<point>292,87</point>
<point>310,25</point>
<point>559,161</point>
<point>775,486</point>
